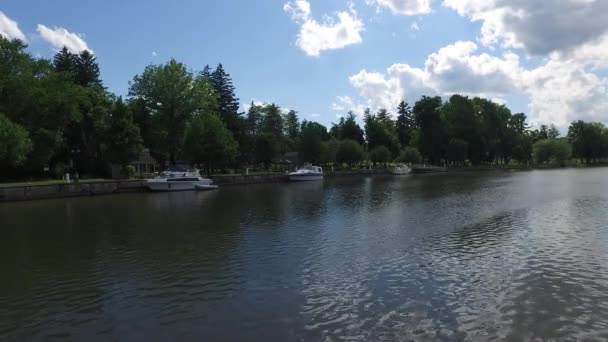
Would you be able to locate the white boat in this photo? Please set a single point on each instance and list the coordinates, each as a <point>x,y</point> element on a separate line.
<point>180,180</point>
<point>307,173</point>
<point>401,170</point>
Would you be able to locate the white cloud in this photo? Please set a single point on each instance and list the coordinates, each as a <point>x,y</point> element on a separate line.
<point>453,69</point>
<point>404,7</point>
<point>315,37</point>
<point>540,27</point>
<point>59,37</point>
<point>559,91</point>
<point>346,104</point>
<point>154,54</point>
<point>9,28</point>
<point>414,27</point>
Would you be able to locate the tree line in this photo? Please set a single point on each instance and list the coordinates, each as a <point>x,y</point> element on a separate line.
<point>56,115</point>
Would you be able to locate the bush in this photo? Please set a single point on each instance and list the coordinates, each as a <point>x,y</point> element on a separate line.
<point>380,154</point>
<point>557,150</point>
<point>410,155</point>
<point>349,152</point>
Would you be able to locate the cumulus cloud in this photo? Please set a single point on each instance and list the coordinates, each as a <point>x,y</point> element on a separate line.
<point>405,7</point>
<point>59,37</point>
<point>9,28</point>
<point>330,34</point>
<point>453,69</point>
<point>539,27</point>
<point>559,91</point>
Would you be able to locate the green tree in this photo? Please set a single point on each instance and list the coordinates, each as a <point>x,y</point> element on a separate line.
<point>557,150</point>
<point>329,151</point>
<point>427,112</point>
<point>292,129</point>
<point>311,142</point>
<point>405,123</point>
<point>266,149</point>
<point>86,69</point>
<point>381,155</point>
<point>209,142</point>
<point>410,155</point>
<point>458,151</point>
<point>15,143</point>
<point>349,152</point>
<point>124,140</point>
<point>171,98</point>
<point>228,103</point>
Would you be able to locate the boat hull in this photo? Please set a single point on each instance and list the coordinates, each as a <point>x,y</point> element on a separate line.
<point>305,178</point>
<point>177,186</point>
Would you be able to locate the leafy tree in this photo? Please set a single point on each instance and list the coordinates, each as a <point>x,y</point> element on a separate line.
<point>380,154</point>
<point>347,128</point>
<point>170,96</point>
<point>15,143</point>
<point>558,150</point>
<point>209,142</point>
<point>329,151</point>
<point>266,148</point>
<point>410,155</point>
<point>458,151</point>
<point>124,140</point>
<point>379,131</point>
<point>311,145</point>
<point>427,112</point>
<point>553,132</point>
<point>349,152</point>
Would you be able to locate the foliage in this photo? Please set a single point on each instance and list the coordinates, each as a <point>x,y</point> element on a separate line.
<point>410,155</point>
<point>458,151</point>
<point>548,150</point>
<point>209,142</point>
<point>348,129</point>
<point>380,154</point>
<point>311,146</point>
<point>405,123</point>
<point>15,143</point>
<point>125,143</point>
<point>349,152</point>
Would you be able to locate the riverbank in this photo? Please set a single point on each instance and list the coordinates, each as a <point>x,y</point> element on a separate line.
<point>53,189</point>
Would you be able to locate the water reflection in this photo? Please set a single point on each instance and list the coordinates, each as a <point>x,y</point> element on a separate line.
<point>511,256</point>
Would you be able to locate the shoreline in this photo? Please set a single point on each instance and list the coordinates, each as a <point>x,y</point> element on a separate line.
<point>19,193</point>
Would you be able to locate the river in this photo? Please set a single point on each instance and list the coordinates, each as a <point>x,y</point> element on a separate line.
<point>472,256</point>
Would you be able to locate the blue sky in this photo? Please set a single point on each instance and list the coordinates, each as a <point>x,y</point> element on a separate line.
<point>391,49</point>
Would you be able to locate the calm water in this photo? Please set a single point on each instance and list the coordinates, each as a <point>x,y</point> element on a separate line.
<point>496,256</point>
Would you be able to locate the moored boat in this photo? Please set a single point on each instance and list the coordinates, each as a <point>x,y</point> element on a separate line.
<point>307,173</point>
<point>180,180</point>
<point>401,170</point>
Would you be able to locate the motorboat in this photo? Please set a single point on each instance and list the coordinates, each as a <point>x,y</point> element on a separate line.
<point>307,173</point>
<point>180,180</point>
<point>401,170</point>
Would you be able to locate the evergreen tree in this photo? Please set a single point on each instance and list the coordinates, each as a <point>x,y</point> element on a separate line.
<point>405,123</point>
<point>228,103</point>
<point>292,128</point>
<point>65,61</point>
<point>86,70</point>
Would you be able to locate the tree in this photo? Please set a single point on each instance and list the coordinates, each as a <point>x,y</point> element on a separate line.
<point>405,123</point>
<point>311,145</point>
<point>265,149</point>
<point>228,103</point>
<point>349,152</point>
<point>380,154</point>
<point>348,128</point>
<point>329,151</point>
<point>170,96</point>
<point>15,143</point>
<point>458,151</point>
<point>379,131</point>
<point>410,155</point>
<point>65,61</point>
<point>431,127</point>
<point>292,128</point>
<point>209,142</point>
<point>86,69</point>
<point>124,140</point>
<point>557,150</point>
<point>553,132</point>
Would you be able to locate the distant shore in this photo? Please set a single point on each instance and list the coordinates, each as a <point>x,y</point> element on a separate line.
<point>27,191</point>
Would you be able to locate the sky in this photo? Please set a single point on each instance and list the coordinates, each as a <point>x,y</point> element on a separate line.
<point>323,58</point>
